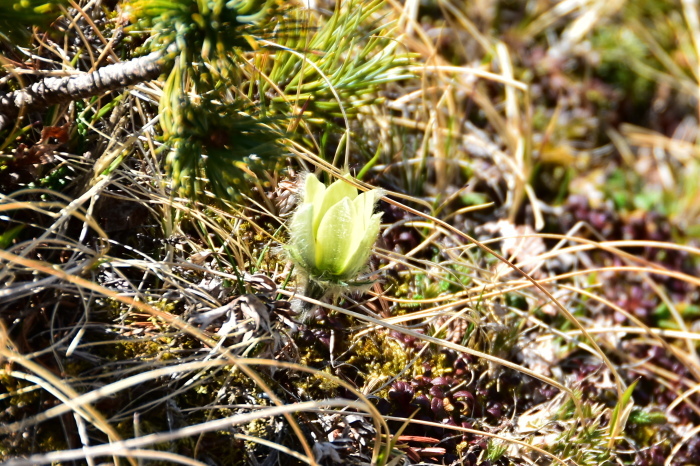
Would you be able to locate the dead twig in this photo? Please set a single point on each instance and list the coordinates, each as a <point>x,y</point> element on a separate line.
<point>52,91</point>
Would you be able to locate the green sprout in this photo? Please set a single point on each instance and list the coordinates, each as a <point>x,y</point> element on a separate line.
<point>332,233</point>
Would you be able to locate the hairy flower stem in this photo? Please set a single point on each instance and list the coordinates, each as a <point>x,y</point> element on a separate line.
<point>52,91</point>
<point>315,291</point>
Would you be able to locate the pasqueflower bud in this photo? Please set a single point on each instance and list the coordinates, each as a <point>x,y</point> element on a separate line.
<point>333,230</point>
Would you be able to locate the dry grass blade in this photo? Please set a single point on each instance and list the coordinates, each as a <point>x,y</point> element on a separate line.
<point>532,294</point>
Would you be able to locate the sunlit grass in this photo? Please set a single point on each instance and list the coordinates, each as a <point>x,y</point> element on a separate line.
<point>505,319</point>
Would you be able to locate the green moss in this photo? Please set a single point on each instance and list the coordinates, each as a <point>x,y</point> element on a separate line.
<point>24,402</point>
<point>379,357</point>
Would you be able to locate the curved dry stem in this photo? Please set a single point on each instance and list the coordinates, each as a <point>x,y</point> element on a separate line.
<point>53,91</point>
<point>169,319</point>
<point>124,447</point>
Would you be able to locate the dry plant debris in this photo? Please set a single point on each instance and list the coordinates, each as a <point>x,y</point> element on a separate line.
<point>532,298</point>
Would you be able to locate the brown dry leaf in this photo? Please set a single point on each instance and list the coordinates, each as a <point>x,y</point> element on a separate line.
<point>261,283</point>
<point>58,132</point>
<point>41,152</point>
<point>38,154</point>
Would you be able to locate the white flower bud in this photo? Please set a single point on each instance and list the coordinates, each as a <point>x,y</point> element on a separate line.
<point>333,230</point>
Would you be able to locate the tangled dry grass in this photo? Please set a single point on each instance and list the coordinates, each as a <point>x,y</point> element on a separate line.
<point>534,293</point>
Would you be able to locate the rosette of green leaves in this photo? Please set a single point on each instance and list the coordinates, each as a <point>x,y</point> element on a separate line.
<point>261,62</point>
<point>218,141</point>
<point>332,233</point>
<point>210,29</point>
<point>341,63</point>
<point>207,133</point>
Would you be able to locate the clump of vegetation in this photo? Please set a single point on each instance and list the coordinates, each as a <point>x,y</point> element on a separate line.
<point>516,285</point>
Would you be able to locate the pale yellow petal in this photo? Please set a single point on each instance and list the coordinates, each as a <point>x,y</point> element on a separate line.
<point>364,206</point>
<point>302,245</point>
<point>314,190</point>
<point>358,260</point>
<point>332,237</point>
<point>336,192</point>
